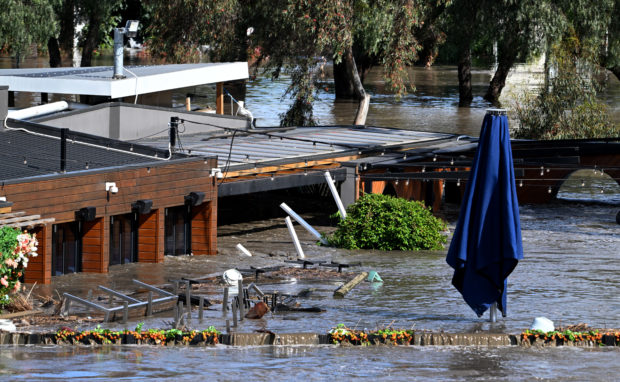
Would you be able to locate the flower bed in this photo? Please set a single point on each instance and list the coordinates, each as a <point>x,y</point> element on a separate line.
<point>15,250</point>
<point>99,336</point>
<point>611,338</point>
<point>343,335</point>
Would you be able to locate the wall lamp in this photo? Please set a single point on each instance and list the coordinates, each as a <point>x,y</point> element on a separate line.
<point>111,187</point>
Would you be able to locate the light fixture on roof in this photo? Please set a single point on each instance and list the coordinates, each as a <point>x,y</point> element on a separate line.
<point>130,30</point>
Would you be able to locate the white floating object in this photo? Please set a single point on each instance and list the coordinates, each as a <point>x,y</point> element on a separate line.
<point>542,323</point>
<point>7,325</point>
<point>243,250</point>
<point>232,277</point>
<point>332,188</point>
<point>303,223</point>
<point>291,231</point>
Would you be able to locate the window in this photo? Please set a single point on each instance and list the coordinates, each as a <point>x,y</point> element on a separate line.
<point>123,238</point>
<point>66,248</point>
<point>177,231</point>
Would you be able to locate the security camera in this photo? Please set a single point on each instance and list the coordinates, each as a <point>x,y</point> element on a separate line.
<point>114,190</point>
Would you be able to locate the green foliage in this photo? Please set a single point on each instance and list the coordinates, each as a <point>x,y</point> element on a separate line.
<point>387,223</point>
<point>24,23</point>
<point>568,108</point>
<point>289,35</point>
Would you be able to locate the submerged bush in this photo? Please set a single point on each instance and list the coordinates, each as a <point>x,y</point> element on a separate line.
<point>388,223</point>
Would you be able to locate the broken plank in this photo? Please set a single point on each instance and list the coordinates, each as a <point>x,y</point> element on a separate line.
<point>346,288</point>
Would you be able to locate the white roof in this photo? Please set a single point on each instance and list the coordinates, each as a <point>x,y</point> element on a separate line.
<point>97,80</point>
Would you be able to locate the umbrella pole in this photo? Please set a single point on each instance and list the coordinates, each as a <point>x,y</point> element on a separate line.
<point>493,312</point>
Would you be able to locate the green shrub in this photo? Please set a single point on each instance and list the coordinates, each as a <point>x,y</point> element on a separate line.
<point>388,223</point>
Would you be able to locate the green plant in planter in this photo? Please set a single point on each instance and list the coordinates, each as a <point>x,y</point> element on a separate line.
<point>387,223</point>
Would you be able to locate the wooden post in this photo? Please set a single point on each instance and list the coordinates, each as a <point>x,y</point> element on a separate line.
<point>343,290</point>
<point>219,98</point>
<point>274,301</point>
<point>125,311</point>
<point>225,300</point>
<point>188,103</point>
<point>175,313</point>
<point>149,305</point>
<point>188,299</point>
<point>201,303</point>
<point>179,310</point>
<point>176,288</point>
<point>246,298</point>
<point>234,312</point>
<point>241,299</point>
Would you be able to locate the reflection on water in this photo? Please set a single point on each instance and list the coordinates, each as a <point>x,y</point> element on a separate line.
<point>300,363</point>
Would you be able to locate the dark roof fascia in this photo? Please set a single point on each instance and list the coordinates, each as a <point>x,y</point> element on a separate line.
<point>103,170</point>
<point>130,148</point>
<point>108,105</point>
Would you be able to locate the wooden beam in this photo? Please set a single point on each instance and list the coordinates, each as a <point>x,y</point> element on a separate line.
<point>219,98</point>
<point>19,219</point>
<point>332,162</point>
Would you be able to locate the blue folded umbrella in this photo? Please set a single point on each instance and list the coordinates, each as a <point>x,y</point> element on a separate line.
<point>486,245</point>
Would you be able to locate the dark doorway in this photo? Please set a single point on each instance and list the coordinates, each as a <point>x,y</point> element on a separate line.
<point>178,231</point>
<point>66,248</point>
<point>123,239</point>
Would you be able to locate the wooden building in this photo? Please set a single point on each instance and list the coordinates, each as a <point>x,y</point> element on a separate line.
<point>111,202</point>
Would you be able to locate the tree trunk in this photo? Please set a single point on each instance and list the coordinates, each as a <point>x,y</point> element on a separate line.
<point>499,79</point>
<point>615,70</point>
<point>347,82</point>
<point>464,72</point>
<point>91,41</point>
<point>54,52</point>
<point>67,27</point>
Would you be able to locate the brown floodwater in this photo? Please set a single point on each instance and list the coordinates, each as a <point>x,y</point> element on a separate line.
<point>569,274</point>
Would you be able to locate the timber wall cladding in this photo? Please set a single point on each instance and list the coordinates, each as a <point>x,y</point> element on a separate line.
<point>204,228</point>
<point>165,185</point>
<point>95,245</point>
<point>150,237</point>
<point>40,267</point>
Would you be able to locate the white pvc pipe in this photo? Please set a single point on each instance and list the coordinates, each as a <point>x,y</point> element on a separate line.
<point>35,111</point>
<point>303,223</point>
<point>243,250</point>
<point>332,188</point>
<point>291,230</point>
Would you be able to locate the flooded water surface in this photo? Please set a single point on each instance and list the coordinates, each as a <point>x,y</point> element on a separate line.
<point>305,363</point>
<point>570,274</point>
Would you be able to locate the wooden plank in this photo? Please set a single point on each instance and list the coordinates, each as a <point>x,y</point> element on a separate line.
<point>19,219</point>
<point>346,288</point>
<point>332,162</point>
<point>12,214</point>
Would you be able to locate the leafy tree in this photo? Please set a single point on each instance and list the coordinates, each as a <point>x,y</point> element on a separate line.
<point>100,18</point>
<point>26,23</point>
<point>568,108</point>
<point>289,35</point>
<point>515,27</point>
